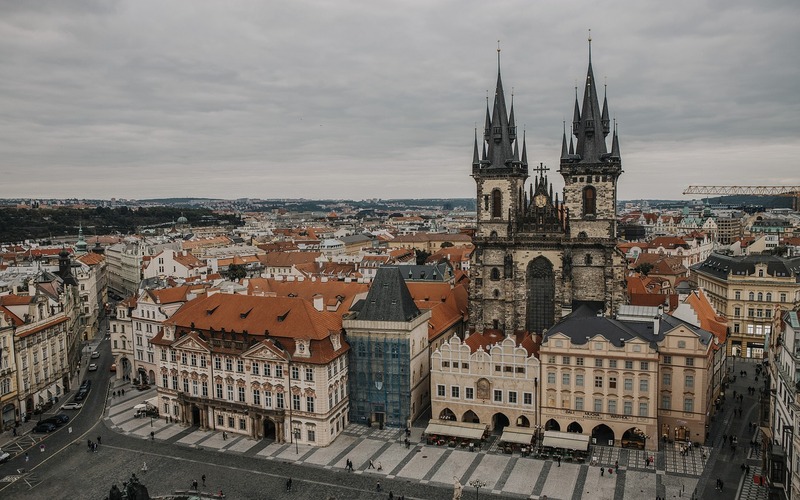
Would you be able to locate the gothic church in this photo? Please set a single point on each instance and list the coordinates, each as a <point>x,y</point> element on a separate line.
<point>539,257</point>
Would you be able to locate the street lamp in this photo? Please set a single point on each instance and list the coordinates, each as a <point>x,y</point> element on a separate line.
<point>477,484</point>
<point>296,438</point>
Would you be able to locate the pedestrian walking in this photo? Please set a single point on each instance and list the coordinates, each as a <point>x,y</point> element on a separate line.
<point>391,495</point>
<point>558,458</point>
<point>224,435</point>
<point>41,447</point>
<point>616,466</point>
<point>14,431</point>
<point>194,484</point>
<point>289,484</point>
<point>98,439</point>
<point>89,444</point>
<point>371,464</point>
<point>602,471</point>
<point>203,478</point>
<point>144,467</point>
<point>378,486</point>
<point>408,443</point>
<point>27,458</point>
<point>380,466</point>
<point>152,436</point>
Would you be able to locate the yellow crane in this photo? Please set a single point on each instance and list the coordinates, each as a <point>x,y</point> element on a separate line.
<point>793,191</point>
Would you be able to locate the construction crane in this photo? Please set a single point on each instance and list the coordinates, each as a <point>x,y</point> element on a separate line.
<point>793,191</point>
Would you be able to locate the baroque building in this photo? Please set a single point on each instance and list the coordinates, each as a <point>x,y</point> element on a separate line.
<point>539,256</point>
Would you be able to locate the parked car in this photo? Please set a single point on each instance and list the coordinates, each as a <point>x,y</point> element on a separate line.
<point>44,427</point>
<point>95,355</point>
<point>86,384</point>
<point>82,393</point>
<point>92,367</point>
<point>62,418</point>
<point>51,420</point>
<point>4,456</point>
<point>72,406</point>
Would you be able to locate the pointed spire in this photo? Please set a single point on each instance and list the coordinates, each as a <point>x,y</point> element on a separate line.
<point>576,115</point>
<point>604,117</point>
<point>516,150</point>
<point>591,145</point>
<point>475,159</point>
<point>571,148</point>
<point>564,142</point>
<point>615,143</point>
<point>487,128</point>
<point>524,150</point>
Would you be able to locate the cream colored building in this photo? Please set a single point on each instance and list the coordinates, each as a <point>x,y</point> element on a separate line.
<point>265,367</point>
<point>489,379</point>
<point>627,381</point>
<point>751,292</point>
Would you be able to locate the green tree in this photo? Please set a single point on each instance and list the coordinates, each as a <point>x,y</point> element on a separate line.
<point>235,272</point>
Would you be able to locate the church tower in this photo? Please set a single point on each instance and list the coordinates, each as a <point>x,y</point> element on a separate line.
<point>537,258</point>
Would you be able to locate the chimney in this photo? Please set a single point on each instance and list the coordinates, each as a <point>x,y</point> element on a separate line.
<point>318,302</point>
<point>657,320</point>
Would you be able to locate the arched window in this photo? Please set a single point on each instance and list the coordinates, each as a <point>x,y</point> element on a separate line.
<point>589,200</point>
<point>497,203</point>
<point>769,296</point>
<point>752,296</point>
<point>495,274</point>
<point>760,296</point>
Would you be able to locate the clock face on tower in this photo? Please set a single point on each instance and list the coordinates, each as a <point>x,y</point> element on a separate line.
<point>540,200</point>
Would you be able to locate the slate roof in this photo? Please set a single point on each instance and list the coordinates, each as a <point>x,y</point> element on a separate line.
<point>440,271</point>
<point>721,266</point>
<point>388,298</point>
<point>581,326</point>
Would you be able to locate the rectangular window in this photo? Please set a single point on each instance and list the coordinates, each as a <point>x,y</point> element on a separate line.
<point>551,378</point>
<point>644,365</point>
<point>296,402</point>
<point>440,390</point>
<point>310,404</point>
<point>688,405</point>
<point>565,360</point>
<point>689,381</point>
<point>255,368</point>
<point>579,402</point>
<point>612,363</point>
<point>312,435</point>
<point>202,361</point>
<point>193,359</point>
<point>551,360</point>
<point>628,365</point>
<point>598,362</point>
<point>204,388</point>
<point>267,399</point>
<point>612,382</point>
<point>627,407</point>
<point>579,379</point>
<point>628,384</point>
<point>220,420</point>
<point>644,385</point>
<point>230,422</point>
<point>498,396</point>
<point>689,361</point>
<point>455,392</point>
<point>241,395</point>
<point>612,406</point>
<point>666,379</point>
<point>295,373</point>
<point>165,381</point>
<point>666,401</point>
<point>469,393</point>
<point>527,398</point>
<point>667,360</point>
<point>512,397</point>
<point>267,370</point>
<point>279,371</point>
<point>230,393</point>
<point>565,379</point>
<point>175,383</point>
<point>229,364</point>
<point>256,397</point>
<point>598,405</point>
<point>598,381</point>
<point>579,361</point>
<point>240,366</point>
<point>642,409</point>
<point>217,364</point>
<point>242,424</point>
<point>309,374</point>
<point>218,389</point>
<point>279,401</point>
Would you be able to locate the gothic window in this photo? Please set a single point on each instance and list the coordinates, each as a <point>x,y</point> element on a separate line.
<point>497,203</point>
<point>588,259</point>
<point>541,294</point>
<point>486,202</point>
<point>495,275</point>
<point>582,235</point>
<point>589,200</point>
<point>496,294</point>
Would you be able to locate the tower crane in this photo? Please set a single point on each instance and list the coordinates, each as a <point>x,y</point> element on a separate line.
<point>793,191</point>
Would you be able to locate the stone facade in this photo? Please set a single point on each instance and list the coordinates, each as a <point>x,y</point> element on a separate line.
<point>537,258</point>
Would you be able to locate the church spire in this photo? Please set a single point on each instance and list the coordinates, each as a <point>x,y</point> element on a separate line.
<point>564,142</point>
<point>615,144</point>
<point>604,118</point>
<point>524,151</point>
<point>589,127</point>
<point>475,159</point>
<point>500,148</point>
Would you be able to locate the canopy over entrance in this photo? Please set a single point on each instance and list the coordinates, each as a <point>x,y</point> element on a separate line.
<point>464,430</point>
<point>567,440</point>
<point>519,435</point>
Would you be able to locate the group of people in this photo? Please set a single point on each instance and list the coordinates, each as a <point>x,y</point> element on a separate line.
<point>93,445</point>
<point>120,392</point>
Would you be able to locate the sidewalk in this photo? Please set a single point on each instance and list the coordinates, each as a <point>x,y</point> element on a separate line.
<point>510,475</point>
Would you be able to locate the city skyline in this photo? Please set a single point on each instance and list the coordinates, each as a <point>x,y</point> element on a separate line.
<point>143,100</point>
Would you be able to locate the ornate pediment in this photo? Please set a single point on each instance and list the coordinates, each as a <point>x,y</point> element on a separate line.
<point>264,351</point>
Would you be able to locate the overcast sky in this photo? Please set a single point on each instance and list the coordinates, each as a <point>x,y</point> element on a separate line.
<point>366,99</point>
